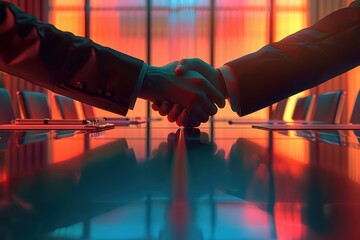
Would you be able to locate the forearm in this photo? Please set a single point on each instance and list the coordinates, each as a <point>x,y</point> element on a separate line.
<point>64,63</point>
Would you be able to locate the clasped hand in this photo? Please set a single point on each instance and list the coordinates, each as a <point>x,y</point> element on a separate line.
<point>186,91</point>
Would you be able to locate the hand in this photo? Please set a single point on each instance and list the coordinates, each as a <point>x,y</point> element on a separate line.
<point>189,91</point>
<point>206,70</point>
<point>175,112</point>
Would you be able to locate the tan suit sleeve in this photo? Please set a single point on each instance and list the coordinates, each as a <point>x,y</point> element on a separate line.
<point>66,64</point>
<point>298,62</point>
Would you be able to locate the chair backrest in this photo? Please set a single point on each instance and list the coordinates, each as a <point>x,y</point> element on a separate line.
<point>33,104</point>
<point>355,115</point>
<point>66,107</point>
<point>328,107</point>
<point>88,111</point>
<point>7,112</point>
<point>279,111</point>
<point>303,108</point>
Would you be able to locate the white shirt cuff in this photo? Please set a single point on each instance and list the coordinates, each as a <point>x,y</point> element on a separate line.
<point>138,85</point>
<point>232,86</point>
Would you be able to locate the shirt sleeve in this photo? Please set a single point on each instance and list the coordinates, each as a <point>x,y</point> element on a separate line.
<point>232,86</point>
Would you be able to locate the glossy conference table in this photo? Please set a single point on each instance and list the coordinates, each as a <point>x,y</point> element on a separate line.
<point>159,182</point>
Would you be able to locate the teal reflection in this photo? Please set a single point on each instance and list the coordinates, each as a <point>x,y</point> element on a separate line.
<point>104,193</point>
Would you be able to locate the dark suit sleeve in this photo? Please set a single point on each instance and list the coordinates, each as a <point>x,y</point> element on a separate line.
<point>64,63</point>
<point>298,62</point>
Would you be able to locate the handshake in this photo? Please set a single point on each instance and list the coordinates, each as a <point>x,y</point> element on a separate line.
<point>187,91</point>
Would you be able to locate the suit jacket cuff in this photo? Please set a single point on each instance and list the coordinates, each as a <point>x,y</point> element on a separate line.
<point>138,85</point>
<point>232,86</point>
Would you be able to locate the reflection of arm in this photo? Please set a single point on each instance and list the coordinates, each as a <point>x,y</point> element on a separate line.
<point>67,64</point>
<point>298,62</point>
<point>71,191</point>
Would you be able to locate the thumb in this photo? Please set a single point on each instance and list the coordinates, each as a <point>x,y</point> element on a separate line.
<point>197,65</point>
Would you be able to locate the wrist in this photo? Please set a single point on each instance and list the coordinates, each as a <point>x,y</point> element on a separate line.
<point>222,85</point>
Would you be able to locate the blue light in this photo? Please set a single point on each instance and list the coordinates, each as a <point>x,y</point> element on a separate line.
<point>180,3</point>
<point>183,3</point>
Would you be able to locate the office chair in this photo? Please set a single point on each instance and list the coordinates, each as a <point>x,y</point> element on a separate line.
<point>66,107</point>
<point>7,112</point>
<point>277,115</point>
<point>88,111</point>
<point>279,111</point>
<point>355,115</point>
<point>328,110</point>
<point>328,107</point>
<point>303,108</point>
<point>33,104</point>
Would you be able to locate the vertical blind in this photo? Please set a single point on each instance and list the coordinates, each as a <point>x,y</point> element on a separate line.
<point>182,29</point>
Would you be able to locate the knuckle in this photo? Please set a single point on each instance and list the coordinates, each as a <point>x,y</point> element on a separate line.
<point>204,118</point>
<point>197,60</point>
<point>215,110</point>
<point>194,98</point>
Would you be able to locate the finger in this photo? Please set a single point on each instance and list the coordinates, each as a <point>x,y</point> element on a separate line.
<point>183,118</point>
<point>193,122</point>
<point>221,154</point>
<point>198,65</point>
<point>214,94</point>
<point>154,152</point>
<point>164,108</point>
<point>204,137</point>
<point>199,114</point>
<point>215,147</point>
<point>174,113</point>
<point>155,106</point>
<point>202,105</point>
<point>172,139</point>
<point>163,147</point>
<point>206,70</point>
